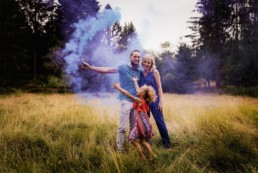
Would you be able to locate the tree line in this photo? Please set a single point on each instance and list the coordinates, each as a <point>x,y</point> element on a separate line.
<point>224,45</point>
<point>224,49</point>
<point>32,31</point>
<point>226,41</point>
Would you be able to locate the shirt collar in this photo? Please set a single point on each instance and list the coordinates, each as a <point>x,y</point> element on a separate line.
<point>130,65</point>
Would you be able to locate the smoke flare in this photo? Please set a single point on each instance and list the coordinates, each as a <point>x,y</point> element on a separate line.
<point>85,30</point>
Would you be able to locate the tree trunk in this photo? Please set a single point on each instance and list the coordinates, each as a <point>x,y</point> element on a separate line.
<point>35,63</point>
<point>2,55</point>
<point>218,80</point>
<point>217,72</point>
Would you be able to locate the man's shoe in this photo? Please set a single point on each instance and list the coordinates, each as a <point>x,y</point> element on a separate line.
<point>121,150</point>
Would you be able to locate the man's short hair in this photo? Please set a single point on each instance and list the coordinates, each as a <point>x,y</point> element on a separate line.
<point>134,51</point>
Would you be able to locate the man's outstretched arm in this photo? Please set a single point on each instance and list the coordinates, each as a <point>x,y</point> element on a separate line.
<point>87,66</point>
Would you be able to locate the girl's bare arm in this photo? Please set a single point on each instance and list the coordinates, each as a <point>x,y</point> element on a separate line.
<point>117,86</point>
<point>135,80</point>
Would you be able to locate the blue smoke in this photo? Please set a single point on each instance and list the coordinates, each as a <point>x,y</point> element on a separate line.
<point>85,30</point>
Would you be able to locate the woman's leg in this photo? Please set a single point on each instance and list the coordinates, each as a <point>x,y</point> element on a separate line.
<point>159,119</point>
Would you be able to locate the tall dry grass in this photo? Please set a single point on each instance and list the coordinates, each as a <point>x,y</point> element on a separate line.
<point>65,133</point>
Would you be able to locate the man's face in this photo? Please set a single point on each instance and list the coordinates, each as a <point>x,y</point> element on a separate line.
<point>135,58</point>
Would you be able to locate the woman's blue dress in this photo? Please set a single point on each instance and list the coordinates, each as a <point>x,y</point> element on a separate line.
<point>154,108</point>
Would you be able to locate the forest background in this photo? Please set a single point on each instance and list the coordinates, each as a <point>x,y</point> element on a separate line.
<point>222,56</point>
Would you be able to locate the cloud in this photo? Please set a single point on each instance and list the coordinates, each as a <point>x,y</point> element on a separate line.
<point>156,21</point>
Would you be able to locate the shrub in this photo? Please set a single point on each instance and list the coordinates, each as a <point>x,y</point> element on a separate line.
<point>242,91</point>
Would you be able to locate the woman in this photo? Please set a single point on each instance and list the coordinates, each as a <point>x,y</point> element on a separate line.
<point>150,76</point>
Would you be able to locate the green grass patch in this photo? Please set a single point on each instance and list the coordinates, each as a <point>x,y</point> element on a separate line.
<point>55,133</point>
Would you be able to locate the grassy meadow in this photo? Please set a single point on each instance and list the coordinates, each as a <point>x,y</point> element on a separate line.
<point>61,133</point>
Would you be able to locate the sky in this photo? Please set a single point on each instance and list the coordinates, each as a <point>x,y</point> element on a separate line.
<point>156,21</point>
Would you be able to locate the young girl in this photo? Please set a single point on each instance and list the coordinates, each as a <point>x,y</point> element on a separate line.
<point>140,127</point>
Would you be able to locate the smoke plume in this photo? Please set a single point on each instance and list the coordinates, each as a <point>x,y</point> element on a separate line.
<point>82,40</point>
<point>85,30</point>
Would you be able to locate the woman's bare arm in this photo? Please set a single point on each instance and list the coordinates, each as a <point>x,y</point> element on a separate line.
<point>159,86</point>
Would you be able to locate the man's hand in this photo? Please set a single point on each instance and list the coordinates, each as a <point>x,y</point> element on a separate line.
<point>85,66</point>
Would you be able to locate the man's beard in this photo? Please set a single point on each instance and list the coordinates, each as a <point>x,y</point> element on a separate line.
<point>133,64</point>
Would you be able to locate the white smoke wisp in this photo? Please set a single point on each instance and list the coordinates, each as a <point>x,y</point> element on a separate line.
<point>85,30</point>
<point>103,99</point>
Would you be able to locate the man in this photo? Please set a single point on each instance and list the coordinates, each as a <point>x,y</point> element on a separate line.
<point>126,72</point>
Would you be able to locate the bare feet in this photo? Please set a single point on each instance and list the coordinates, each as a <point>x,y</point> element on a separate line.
<point>143,157</point>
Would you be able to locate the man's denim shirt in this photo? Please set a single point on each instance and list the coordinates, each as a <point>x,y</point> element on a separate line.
<point>125,78</point>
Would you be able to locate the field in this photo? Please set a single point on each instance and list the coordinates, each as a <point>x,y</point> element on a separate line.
<point>72,133</point>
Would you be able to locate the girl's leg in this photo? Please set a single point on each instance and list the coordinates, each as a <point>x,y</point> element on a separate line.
<point>148,147</point>
<point>139,149</point>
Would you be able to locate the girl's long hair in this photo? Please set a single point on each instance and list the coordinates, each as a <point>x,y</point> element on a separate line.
<point>149,94</point>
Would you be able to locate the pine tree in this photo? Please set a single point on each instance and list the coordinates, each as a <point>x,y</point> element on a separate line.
<point>166,65</point>
<point>71,11</point>
<point>15,65</point>
<point>240,67</point>
<point>128,35</point>
<point>111,35</point>
<point>38,14</point>
<point>184,70</point>
<point>212,31</point>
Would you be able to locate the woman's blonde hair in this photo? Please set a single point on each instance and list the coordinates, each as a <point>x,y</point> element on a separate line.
<point>149,94</point>
<point>149,56</point>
